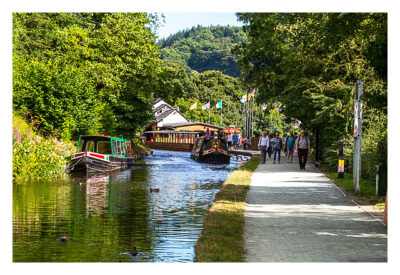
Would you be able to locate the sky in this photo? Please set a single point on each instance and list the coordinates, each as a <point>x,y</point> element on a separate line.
<point>175,22</point>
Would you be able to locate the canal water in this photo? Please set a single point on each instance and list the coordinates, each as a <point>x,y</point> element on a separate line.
<point>106,215</point>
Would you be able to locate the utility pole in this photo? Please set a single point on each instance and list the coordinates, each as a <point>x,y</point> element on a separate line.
<point>357,134</point>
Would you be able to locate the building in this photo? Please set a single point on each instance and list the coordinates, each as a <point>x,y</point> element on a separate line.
<point>166,114</point>
<point>171,130</point>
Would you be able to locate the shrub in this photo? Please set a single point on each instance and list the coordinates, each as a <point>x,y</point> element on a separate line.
<point>35,156</point>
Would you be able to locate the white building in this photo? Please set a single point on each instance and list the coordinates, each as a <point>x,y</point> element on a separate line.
<point>167,114</point>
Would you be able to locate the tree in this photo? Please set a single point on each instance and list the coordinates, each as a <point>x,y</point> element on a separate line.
<point>310,63</point>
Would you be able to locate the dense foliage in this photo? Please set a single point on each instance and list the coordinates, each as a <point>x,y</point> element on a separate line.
<point>310,63</point>
<point>86,73</point>
<point>35,156</point>
<point>203,49</point>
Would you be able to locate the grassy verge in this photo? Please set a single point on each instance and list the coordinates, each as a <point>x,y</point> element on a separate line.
<point>367,190</point>
<point>222,235</point>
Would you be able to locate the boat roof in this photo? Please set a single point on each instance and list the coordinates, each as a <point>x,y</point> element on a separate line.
<point>100,137</point>
<point>181,124</point>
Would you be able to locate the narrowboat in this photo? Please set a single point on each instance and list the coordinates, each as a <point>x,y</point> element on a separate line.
<point>101,154</point>
<point>211,150</point>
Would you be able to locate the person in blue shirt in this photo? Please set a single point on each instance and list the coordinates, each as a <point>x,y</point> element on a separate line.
<point>290,146</point>
<point>277,147</point>
<point>235,140</point>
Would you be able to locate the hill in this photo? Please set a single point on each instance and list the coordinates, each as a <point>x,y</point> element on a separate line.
<point>204,48</point>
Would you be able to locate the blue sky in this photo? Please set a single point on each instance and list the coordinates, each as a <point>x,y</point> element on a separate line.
<point>179,21</point>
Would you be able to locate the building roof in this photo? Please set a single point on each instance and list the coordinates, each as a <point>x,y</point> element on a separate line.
<point>180,124</point>
<point>161,106</point>
<point>164,115</point>
<point>172,132</point>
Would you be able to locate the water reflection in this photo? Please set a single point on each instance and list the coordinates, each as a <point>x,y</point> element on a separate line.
<point>105,215</point>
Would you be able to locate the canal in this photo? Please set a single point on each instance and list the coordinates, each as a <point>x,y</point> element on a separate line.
<point>106,215</point>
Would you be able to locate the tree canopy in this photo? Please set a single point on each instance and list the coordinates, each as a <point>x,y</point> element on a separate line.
<point>86,72</point>
<point>204,49</point>
<point>311,61</point>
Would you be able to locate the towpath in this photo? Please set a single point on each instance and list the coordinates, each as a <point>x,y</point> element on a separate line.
<point>300,216</point>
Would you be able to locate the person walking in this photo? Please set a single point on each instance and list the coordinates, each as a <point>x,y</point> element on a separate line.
<point>290,147</point>
<point>277,147</point>
<point>229,140</point>
<point>235,140</point>
<point>295,138</point>
<point>302,149</point>
<point>247,143</point>
<point>271,142</point>
<point>263,144</point>
<point>284,144</point>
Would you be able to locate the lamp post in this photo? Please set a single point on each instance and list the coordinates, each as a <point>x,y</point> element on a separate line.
<point>357,134</point>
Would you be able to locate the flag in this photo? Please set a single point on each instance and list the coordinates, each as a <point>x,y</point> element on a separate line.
<point>193,107</point>
<point>206,106</point>
<point>253,92</point>
<point>264,106</point>
<point>244,99</point>
<point>219,105</point>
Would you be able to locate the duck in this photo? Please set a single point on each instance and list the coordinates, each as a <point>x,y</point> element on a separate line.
<point>154,189</point>
<point>64,238</point>
<point>134,252</point>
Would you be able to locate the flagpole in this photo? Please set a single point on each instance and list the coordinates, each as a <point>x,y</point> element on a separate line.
<point>196,112</point>
<point>221,113</point>
<point>209,111</point>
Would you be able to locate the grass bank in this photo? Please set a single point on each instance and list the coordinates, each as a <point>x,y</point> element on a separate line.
<point>222,235</point>
<point>367,190</point>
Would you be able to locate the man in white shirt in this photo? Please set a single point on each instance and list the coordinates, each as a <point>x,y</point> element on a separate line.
<point>263,144</point>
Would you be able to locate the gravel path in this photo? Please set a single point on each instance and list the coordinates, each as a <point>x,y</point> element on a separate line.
<point>300,216</point>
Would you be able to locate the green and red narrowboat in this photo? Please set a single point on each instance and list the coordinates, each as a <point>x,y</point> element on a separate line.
<point>101,154</point>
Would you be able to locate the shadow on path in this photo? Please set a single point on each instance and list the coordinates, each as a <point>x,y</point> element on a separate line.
<point>300,216</point>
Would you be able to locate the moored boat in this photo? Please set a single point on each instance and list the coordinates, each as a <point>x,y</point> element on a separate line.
<point>211,150</point>
<point>100,154</point>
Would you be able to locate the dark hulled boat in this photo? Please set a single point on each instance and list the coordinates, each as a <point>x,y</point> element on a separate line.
<point>211,150</point>
<point>101,154</point>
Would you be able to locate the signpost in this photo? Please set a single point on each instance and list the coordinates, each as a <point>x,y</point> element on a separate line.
<point>357,134</point>
<point>341,161</point>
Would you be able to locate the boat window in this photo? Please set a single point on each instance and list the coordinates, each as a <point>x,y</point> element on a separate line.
<point>115,148</point>
<point>90,146</point>
<point>81,143</point>
<point>104,147</point>
<point>121,148</point>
